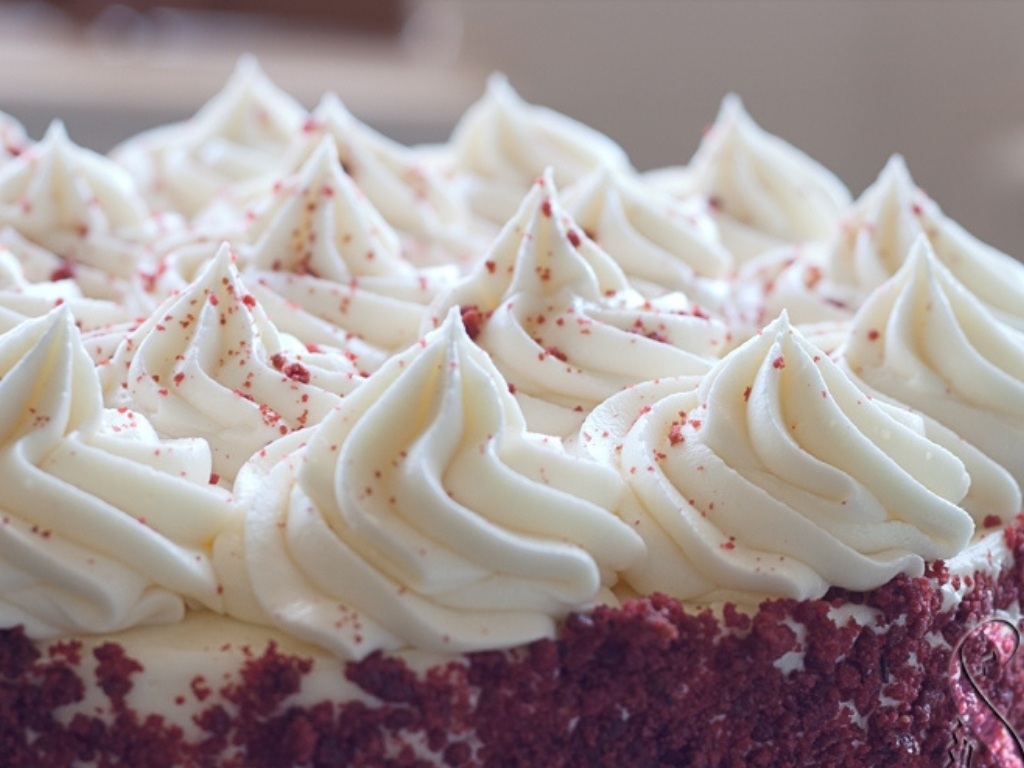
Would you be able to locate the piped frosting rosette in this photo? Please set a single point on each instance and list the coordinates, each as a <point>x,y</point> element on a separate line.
<point>502,144</point>
<point>661,243</point>
<point>13,138</point>
<point>209,363</point>
<point>422,514</point>
<point>924,339</point>
<point>762,191</point>
<point>21,299</point>
<point>239,135</point>
<point>876,236</point>
<point>80,206</point>
<point>412,196</point>
<point>329,270</point>
<point>102,525</point>
<point>774,475</point>
<point>563,326</point>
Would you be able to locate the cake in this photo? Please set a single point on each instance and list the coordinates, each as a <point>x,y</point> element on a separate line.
<point>320,450</point>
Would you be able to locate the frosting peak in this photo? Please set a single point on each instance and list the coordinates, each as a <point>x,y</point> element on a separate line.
<point>104,525</point>
<point>210,363</point>
<point>765,191</point>
<point>424,508</point>
<point>776,475</point>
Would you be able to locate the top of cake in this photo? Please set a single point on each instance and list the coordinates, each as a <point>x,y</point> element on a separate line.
<point>270,363</point>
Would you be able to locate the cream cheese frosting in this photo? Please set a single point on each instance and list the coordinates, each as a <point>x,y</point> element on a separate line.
<point>763,191</point>
<point>330,270</point>
<point>79,205</point>
<point>13,138</point>
<point>775,475</point>
<point>409,193</point>
<point>876,235</point>
<point>21,299</point>
<point>924,339</point>
<point>104,525</point>
<point>573,427</point>
<point>237,136</point>
<point>559,319</point>
<point>503,144</point>
<point>660,243</point>
<point>422,513</point>
<point>209,363</point>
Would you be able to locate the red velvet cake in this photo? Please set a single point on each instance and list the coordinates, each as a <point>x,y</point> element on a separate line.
<point>499,453</point>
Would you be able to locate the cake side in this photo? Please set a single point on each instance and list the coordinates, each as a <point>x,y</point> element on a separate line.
<point>850,679</point>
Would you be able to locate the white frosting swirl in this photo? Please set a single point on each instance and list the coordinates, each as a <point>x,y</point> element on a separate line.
<point>102,525</point>
<point>13,138</point>
<point>558,318</point>
<point>924,339</point>
<point>791,278</point>
<point>328,268</point>
<point>657,240</point>
<point>777,476</point>
<point>764,191</point>
<point>238,135</point>
<point>504,144</point>
<point>77,204</point>
<point>409,194</point>
<point>21,299</point>
<point>877,233</point>
<point>422,514</point>
<point>209,363</point>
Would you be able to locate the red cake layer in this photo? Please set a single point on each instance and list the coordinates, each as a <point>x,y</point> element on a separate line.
<point>648,684</point>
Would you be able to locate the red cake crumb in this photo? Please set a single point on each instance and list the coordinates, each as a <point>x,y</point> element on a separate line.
<point>647,684</point>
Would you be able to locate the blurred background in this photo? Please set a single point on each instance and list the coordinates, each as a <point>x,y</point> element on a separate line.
<point>848,82</point>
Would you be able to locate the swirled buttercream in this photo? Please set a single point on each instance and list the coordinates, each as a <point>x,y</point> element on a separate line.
<point>503,144</point>
<point>776,475</point>
<point>329,269</point>
<point>876,234</point>
<point>763,191</point>
<point>13,138</point>
<point>659,242</point>
<point>77,204</point>
<point>410,194</point>
<point>238,135</point>
<point>559,319</point>
<point>924,339</point>
<point>209,363</point>
<point>102,525</point>
<point>21,299</point>
<point>422,514</point>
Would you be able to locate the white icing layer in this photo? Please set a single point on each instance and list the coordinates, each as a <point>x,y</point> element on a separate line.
<point>777,476</point>
<point>422,513</point>
<point>104,525</point>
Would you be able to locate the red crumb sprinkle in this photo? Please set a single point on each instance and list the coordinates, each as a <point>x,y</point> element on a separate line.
<point>675,434</point>
<point>472,320</point>
<point>249,300</point>
<point>779,362</point>
<point>214,478</point>
<point>65,271</point>
<point>545,208</point>
<point>214,300</point>
<point>556,353</point>
<point>992,521</point>
<point>297,372</point>
<point>872,334</point>
<point>574,238</point>
<point>491,266</point>
<point>746,394</point>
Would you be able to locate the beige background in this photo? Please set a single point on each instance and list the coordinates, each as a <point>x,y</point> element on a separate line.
<point>848,81</point>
